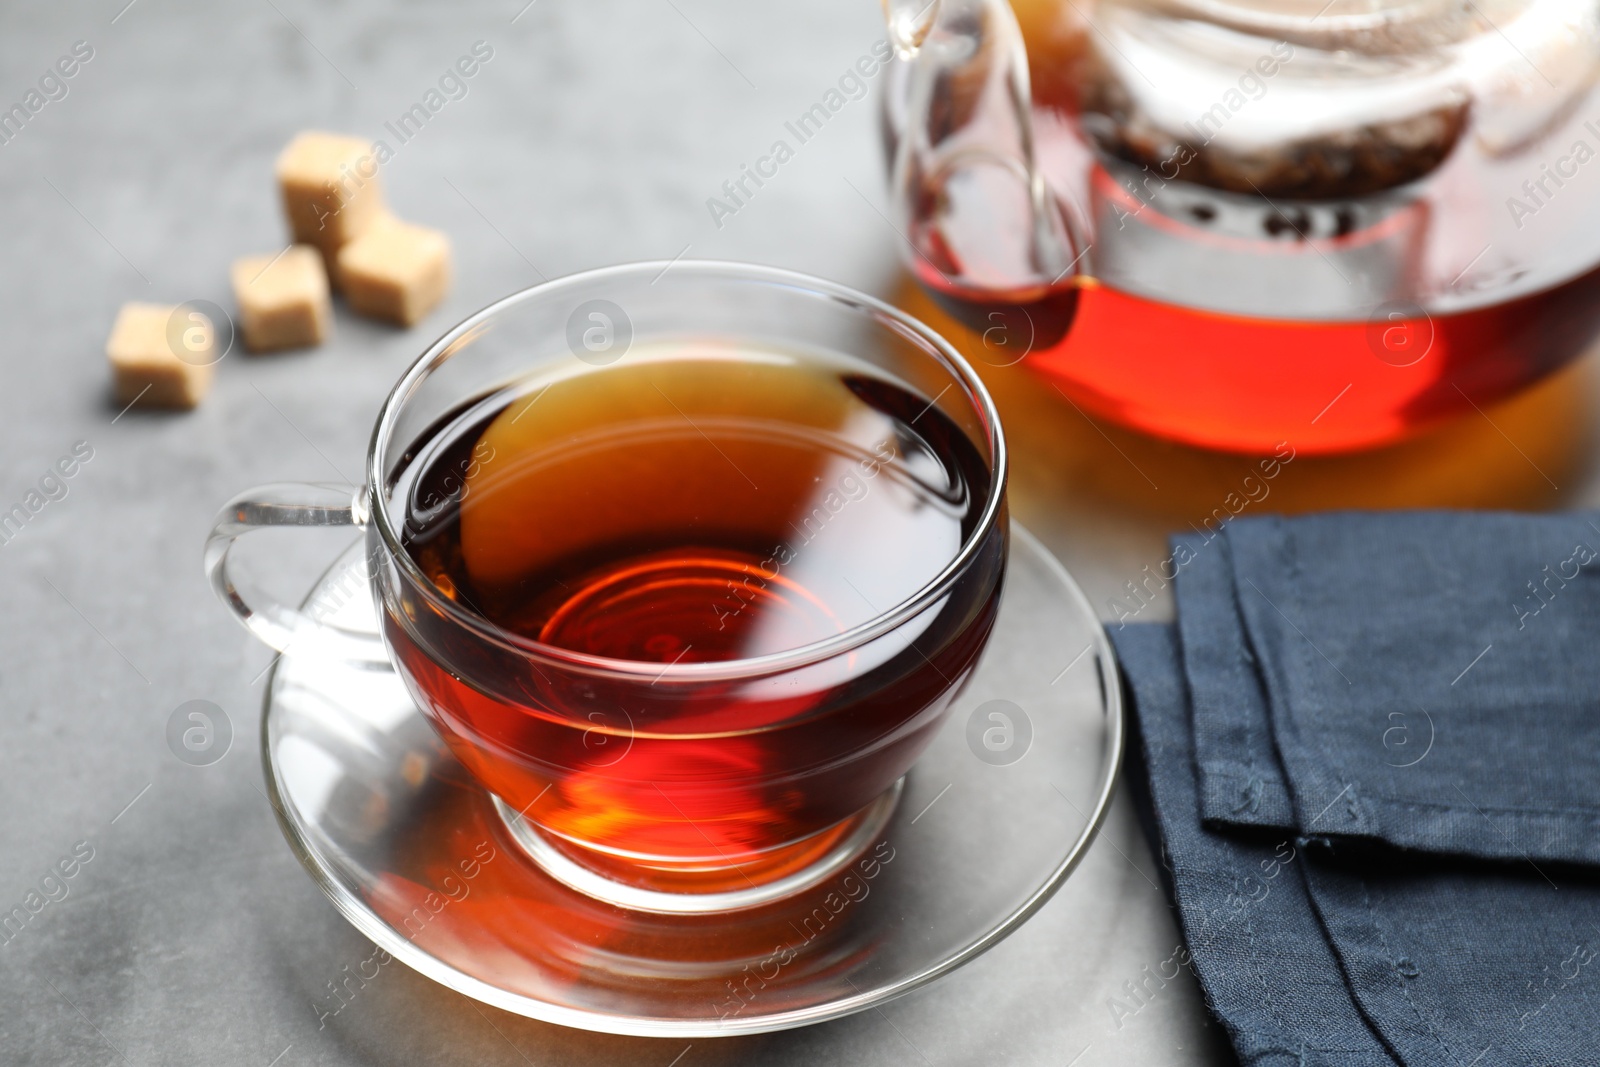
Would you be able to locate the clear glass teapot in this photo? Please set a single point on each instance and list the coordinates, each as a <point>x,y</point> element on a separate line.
<point>1243,222</point>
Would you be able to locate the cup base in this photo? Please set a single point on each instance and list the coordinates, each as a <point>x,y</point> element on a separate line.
<point>668,889</point>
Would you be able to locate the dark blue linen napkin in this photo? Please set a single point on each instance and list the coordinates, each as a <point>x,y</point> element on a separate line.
<point>1428,680</point>
<point>1456,964</point>
<point>1253,939</point>
<point>1239,780</point>
<point>1398,716</point>
<point>1308,956</point>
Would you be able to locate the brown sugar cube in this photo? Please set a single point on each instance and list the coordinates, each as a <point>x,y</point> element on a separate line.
<point>283,299</point>
<point>143,350</point>
<point>330,190</point>
<point>395,271</point>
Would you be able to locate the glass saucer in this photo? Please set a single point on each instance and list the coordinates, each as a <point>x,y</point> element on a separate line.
<point>992,819</point>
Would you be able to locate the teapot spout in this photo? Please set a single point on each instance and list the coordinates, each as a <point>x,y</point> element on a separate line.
<point>988,234</point>
<point>909,22</point>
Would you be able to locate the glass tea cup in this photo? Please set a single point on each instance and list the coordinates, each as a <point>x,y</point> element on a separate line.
<point>627,765</point>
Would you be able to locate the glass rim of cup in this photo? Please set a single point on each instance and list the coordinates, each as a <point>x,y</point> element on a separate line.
<point>908,327</point>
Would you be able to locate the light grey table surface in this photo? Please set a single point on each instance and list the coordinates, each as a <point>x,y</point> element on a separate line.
<point>594,135</point>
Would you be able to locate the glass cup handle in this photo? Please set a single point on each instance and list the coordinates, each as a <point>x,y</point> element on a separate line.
<point>281,625</point>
